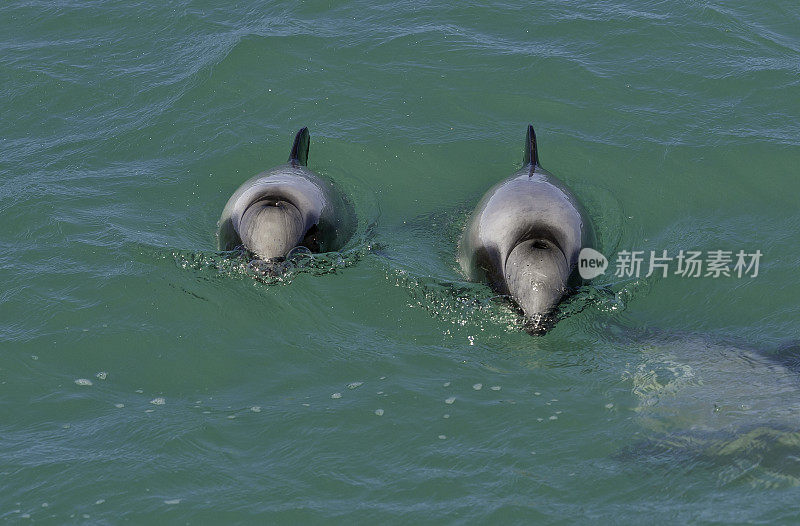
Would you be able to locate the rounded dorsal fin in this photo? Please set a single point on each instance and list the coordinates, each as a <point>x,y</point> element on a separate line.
<point>531,152</point>
<point>299,155</point>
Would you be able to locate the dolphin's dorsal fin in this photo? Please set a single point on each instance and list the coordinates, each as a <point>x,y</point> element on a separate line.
<point>299,155</point>
<point>531,152</point>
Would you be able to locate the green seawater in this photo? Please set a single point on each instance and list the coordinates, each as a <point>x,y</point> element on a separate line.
<point>147,378</point>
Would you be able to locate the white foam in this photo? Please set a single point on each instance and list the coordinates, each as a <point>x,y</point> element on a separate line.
<point>477,387</point>
<point>83,381</point>
<point>255,409</point>
<point>450,400</point>
<point>379,412</point>
<point>495,388</point>
<point>158,401</point>
<point>172,502</point>
<point>354,385</point>
<point>336,395</point>
<point>102,375</point>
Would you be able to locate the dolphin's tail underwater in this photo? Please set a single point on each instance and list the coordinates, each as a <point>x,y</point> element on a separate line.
<point>299,155</point>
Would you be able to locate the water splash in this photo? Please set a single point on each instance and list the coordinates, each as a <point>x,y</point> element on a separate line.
<point>300,260</point>
<point>475,305</point>
<point>460,303</point>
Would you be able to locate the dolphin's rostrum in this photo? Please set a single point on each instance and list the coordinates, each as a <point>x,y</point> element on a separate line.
<point>286,207</point>
<point>524,238</point>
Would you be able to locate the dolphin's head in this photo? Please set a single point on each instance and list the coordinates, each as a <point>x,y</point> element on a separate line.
<point>271,227</point>
<point>536,274</point>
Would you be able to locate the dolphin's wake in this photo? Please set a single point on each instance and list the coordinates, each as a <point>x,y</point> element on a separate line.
<point>240,263</point>
<point>474,305</point>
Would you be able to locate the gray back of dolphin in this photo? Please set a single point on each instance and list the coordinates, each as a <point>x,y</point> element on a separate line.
<point>285,207</point>
<point>524,238</point>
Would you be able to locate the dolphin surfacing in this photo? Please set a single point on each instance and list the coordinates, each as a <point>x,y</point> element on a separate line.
<point>286,207</point>
<point>524,238</point>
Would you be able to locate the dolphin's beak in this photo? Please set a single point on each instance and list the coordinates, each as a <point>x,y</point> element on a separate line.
<point>536,274</point>
<point>270,228</point>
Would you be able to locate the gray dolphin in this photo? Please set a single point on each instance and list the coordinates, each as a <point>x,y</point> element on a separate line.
<point>286,207</point>
<point>524,238</point>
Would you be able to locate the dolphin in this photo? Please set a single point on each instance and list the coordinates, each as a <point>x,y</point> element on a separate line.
<point>286,207</point>
<point>730,406</point>
<point>524,238</point>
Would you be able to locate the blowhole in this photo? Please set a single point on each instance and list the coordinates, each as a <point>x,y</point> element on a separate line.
<point>540,244</point>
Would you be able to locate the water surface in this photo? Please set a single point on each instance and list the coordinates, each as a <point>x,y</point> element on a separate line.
<point>146,378</point>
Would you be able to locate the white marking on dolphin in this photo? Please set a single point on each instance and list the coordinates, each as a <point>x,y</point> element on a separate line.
<point>284,208</point>
<point>524,238</point>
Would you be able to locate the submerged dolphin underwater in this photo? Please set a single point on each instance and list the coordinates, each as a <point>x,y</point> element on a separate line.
<point>284,208</point>
<point>701,400</point>
<point>524,238</point>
